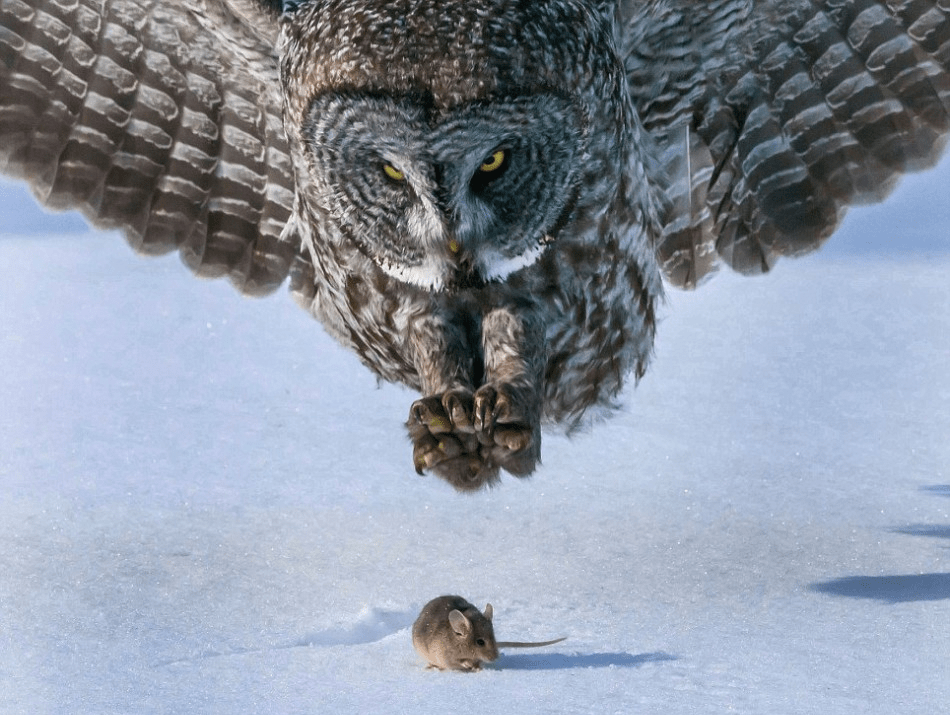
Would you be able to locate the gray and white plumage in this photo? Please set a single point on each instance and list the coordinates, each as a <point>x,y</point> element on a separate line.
<point>480,197</point>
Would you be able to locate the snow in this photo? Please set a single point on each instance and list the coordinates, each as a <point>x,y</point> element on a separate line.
<point>209,507</point>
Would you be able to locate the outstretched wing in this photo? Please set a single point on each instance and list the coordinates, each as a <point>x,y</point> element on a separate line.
<point>158,117</point>
<point>772,117</point>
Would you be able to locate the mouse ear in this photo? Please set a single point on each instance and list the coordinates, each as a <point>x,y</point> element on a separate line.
<point>488,611</point>
<point>460,624</point>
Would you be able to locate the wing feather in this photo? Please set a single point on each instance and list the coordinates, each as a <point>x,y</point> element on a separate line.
<point>773,117</point>
<point>161,119</point>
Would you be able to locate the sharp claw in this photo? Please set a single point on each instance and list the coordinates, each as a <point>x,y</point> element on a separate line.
<point>465,438</point>
<point>459,417</point>
<point>481,414</point>
<point>418,460</point>
<point>422,451</point>
<point>458,407</point>
<point>502,410</point>
<point>417,414</point>
<point>431,416</point>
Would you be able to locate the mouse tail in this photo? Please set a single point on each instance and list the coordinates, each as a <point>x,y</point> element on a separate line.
<point>516,644</point>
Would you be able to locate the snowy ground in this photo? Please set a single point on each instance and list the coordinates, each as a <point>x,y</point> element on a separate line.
<point>208,507</point>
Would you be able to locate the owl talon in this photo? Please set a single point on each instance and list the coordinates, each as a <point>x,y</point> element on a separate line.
<point>458,405</point>
<point>429,411</point>
<point>466,439</point>
<point>514,440</point>
<point>450,447</point>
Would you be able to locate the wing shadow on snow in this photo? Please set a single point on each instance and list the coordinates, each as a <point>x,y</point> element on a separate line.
<point>930,530</point>
<point>898,588</point>
<point>563,661</point>
<point>933,531</point>
<point>890,589</point>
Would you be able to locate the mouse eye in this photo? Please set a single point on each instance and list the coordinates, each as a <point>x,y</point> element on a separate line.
<point>480,641</point>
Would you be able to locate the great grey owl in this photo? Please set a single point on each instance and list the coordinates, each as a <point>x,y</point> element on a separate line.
<point>479,197</point>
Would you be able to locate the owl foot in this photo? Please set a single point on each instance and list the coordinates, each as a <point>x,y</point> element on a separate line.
<point>466,438</point>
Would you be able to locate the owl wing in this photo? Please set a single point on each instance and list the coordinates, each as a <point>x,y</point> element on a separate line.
<point>161,118</point>
<point>772,117</point>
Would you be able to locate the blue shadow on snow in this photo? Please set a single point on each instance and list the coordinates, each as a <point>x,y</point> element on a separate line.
<point>564,661</point>
<point>890,589</point>
<point>929,530</point>
<point>940,490</point>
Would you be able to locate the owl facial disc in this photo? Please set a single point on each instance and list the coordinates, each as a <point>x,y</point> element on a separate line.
<point>447,198</point>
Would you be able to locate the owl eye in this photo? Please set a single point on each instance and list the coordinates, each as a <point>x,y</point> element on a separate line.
<point>393,173</point>
<point>494,167</point>
<point>494,162</point>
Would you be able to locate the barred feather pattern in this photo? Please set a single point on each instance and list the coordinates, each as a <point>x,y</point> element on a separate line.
<point>478,197</point>
<point>146,121</point>
<point>773,117</point>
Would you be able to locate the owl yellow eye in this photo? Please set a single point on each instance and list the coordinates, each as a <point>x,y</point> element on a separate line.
<point>494,162</point>
<point>393,173</point>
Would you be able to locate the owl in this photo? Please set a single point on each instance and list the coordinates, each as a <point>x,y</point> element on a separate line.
<point>482,199</point>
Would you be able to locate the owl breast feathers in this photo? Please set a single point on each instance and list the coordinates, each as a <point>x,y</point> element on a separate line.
<point>481,198</point>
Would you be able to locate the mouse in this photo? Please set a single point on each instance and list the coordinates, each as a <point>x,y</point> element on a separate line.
<point>452,634</point>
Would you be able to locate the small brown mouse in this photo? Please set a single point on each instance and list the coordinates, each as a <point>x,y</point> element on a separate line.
<point>451,634</point>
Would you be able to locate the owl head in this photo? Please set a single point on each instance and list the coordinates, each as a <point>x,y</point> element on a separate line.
<point>446,140</point>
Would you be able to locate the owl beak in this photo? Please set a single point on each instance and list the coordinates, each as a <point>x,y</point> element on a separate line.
<point>464,272</point>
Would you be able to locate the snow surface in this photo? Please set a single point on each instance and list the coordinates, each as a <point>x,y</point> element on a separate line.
<point>209,507</point>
